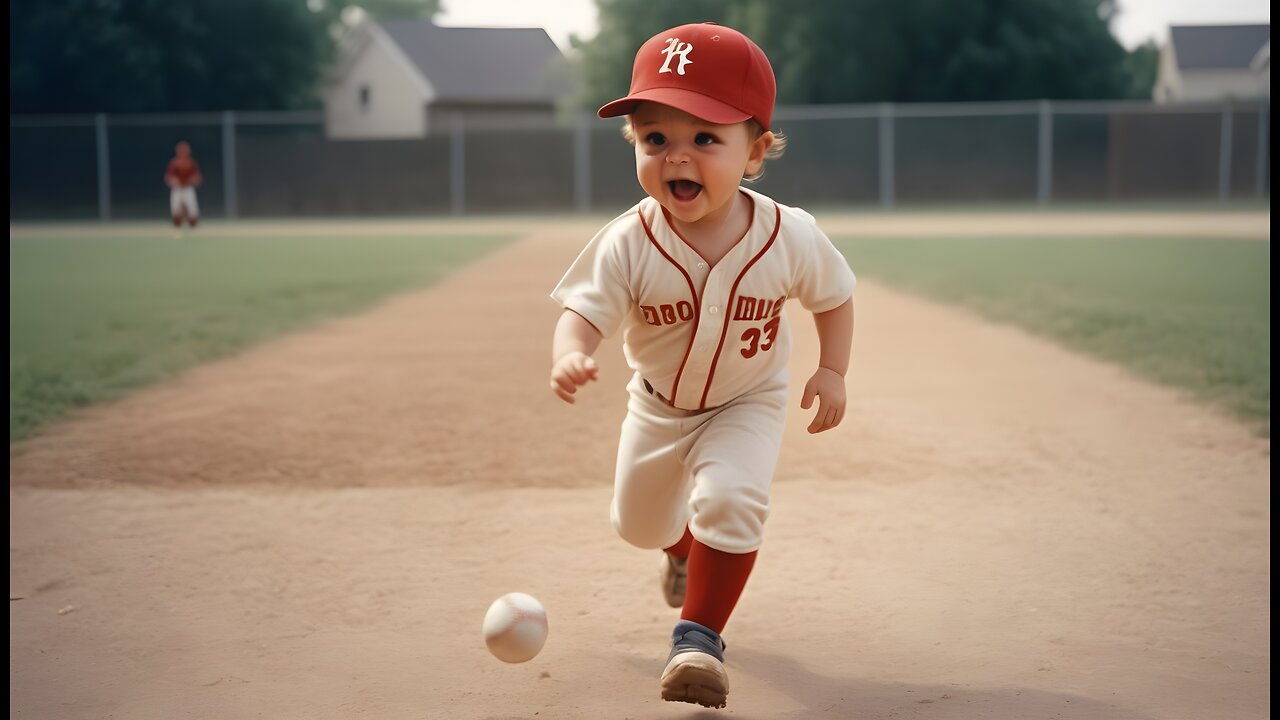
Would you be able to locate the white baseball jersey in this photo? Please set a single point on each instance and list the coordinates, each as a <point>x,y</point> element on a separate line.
<point>704,421</point>
<point>704,335</point>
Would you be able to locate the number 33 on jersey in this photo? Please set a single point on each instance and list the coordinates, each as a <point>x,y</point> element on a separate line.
<point>704,335</point>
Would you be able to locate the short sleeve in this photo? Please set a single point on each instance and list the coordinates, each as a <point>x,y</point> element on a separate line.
<point>825,280</point>
<point>595,286</point>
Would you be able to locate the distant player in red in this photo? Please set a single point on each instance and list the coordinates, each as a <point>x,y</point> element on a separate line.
<point>183,177</point>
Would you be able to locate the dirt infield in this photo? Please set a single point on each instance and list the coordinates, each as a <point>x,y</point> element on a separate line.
<point>315,528</point>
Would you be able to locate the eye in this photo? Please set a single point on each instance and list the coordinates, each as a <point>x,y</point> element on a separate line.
<point>704,139</point>
<point>655,139</point>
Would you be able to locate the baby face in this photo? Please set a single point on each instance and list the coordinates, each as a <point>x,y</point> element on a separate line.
<point>691,166</point>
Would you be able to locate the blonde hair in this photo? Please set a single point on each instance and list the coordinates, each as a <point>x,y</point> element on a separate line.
<point>774,152</point>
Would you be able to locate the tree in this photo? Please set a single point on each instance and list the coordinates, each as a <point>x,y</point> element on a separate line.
<point>80,56</point>
<point>395,9</point>
<point>1140,67</point>
<point>605,61</point>
<point>832,51</point>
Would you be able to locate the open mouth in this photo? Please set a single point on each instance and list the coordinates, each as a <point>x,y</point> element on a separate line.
<point>684,189</point>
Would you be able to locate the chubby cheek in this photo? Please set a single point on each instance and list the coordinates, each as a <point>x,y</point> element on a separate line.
<point>649,173</point>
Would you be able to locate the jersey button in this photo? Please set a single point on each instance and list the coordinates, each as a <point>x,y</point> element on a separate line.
<point>715,309</point>
<point>702,266</point>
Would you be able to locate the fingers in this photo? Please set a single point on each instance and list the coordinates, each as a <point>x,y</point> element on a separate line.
<point>810,392</point>
<point>564,388</point>
<point>828,416</point>
<point>570,374</point>
<point>582,373</point>
<point>819,422</point>
<point>822,420</point>
<point>577,375</point>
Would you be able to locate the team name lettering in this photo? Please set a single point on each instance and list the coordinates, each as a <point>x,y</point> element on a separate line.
<point>749,308</point>
<point>667,313</point>
<point>674,48</point>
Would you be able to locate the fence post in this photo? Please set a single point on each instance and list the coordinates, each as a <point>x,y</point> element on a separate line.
<point>1224,155</point>
<point>1044,158</point>
<point>104,168</point>
<point>581,164</point>
<point>457,164</point>
<point>229,164</point>
<point>1264,135</point>
<point>886,155</point>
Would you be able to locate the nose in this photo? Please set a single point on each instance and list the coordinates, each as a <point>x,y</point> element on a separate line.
<point>677,158</point>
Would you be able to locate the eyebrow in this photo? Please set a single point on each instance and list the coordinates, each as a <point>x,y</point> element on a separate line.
<point>700,126</point>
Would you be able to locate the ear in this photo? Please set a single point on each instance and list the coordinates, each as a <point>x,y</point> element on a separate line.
<point>759,148</point>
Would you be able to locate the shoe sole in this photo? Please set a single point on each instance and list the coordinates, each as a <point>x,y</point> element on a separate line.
<point>695,677</point>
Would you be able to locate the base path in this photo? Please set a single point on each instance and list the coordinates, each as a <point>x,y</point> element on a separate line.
<point>315,528</point>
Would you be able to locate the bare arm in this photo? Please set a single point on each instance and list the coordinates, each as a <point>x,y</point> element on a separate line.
<point>574,342</point>
<point>835,337</point>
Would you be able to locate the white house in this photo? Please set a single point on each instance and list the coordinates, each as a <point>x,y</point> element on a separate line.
<point>407,78</point>
<point>1214,62</point>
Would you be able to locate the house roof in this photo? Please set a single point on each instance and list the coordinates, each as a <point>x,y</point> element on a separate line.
<point>1208,47</point>
<point>483,64</point>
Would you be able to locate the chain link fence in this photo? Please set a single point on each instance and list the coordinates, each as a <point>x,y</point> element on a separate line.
<point>263,165</point>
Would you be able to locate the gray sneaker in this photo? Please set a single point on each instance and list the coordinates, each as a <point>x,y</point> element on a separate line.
<point>695,668</point>
<point>674,575</point>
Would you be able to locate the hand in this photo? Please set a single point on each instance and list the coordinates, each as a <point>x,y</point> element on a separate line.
<point>571,372</point>
<point>829,386</point>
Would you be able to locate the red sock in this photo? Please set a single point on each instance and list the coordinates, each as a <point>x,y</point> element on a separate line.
<point>680,550</point>
<point>716,580</point>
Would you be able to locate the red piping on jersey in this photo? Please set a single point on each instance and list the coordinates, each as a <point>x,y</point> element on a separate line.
<point>751,222</point>
<point>694,293</point>
<point>728,310</point>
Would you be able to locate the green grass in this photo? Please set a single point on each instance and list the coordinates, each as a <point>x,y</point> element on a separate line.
<point>1191,313</point>
<point>93,317</point>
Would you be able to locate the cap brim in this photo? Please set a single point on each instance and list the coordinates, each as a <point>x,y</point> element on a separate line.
<point>696,104</point>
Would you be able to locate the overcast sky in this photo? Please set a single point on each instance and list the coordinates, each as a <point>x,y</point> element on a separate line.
<point>1139,20</point>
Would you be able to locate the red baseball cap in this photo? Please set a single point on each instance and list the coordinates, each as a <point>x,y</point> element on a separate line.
<point>709,71</point>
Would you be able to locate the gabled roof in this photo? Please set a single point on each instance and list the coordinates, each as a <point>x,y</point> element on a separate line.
<point>1209,47</point>
<point>483,64</point>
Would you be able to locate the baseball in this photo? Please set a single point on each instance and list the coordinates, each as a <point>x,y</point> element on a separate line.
<point>515,627</point>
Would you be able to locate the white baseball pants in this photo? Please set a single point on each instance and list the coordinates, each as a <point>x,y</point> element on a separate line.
<point>181,197</point>
<point>708,469</point>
